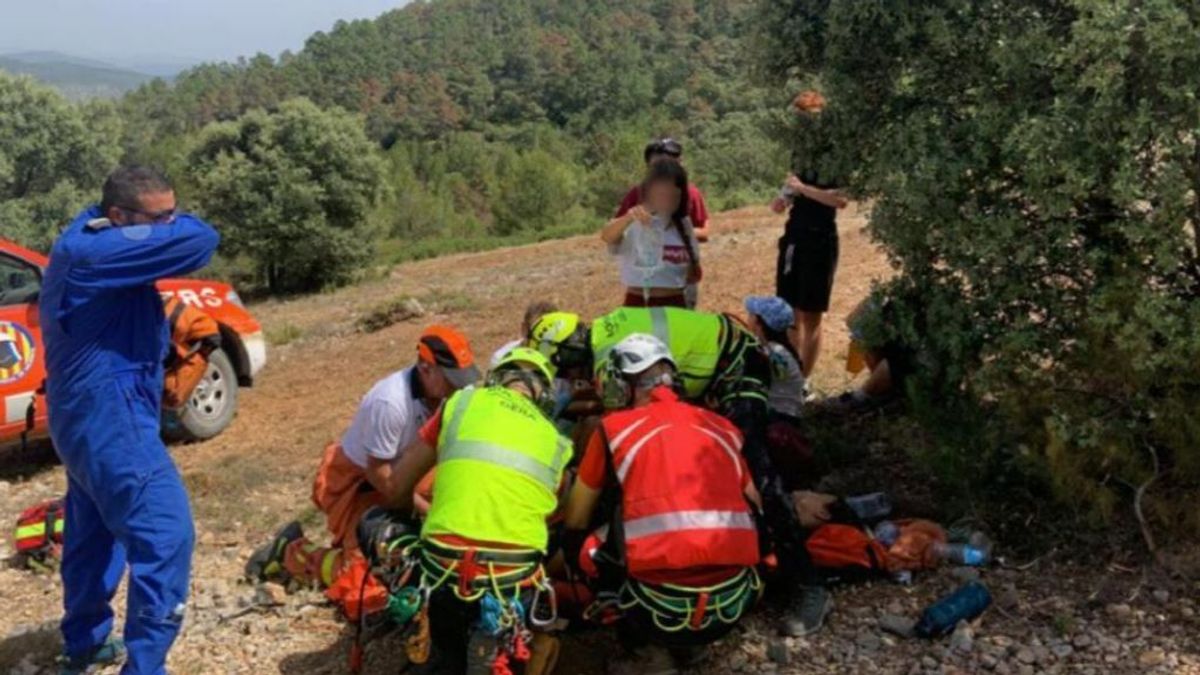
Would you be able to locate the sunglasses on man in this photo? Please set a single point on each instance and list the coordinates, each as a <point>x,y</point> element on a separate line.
<point>164,217</point>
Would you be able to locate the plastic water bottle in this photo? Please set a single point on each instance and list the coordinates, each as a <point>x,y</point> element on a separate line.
<point>965,604</point>
<point>886,533</point>
<point>647,246</point>
<point>870,507</point>
<point>961,554</point>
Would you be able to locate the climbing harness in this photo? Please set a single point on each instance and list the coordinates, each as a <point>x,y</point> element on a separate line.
<point>676,608</point>
<point>497,579</point>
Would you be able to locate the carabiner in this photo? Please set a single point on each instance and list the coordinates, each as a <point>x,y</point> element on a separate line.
<point>535,605</point>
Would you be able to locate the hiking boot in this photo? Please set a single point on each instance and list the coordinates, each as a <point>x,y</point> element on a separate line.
<point>110,653</point>
<point>267,562</point>
<point>806,613</point>
<point>648,660</point>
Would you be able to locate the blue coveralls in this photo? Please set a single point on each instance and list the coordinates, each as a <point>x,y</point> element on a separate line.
<point>106,337</point>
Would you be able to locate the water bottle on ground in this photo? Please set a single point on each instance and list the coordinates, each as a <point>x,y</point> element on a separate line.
<point>965,604</point>
<point>870,507</point>
<point>974,552</point>
<point>961,554</point>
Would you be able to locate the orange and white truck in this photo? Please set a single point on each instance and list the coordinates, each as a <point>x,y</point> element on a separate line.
<point>212,404</point>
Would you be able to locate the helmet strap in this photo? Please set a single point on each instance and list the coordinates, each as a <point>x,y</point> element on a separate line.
<point>540,391</point>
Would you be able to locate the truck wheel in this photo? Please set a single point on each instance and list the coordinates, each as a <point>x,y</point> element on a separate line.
<point>211,406</point>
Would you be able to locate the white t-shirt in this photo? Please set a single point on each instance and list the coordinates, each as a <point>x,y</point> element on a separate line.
<point>786,395</point>
<point>387,420</point>
<point>654,255</point>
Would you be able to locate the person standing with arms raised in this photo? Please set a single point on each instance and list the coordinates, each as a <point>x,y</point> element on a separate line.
<point>106,337</point>
<point>808,250</point>
<point>655,243</point>
<point>670,150</point>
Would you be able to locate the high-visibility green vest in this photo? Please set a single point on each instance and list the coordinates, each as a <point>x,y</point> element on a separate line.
<point>500,462</point>
<point>694,339</point>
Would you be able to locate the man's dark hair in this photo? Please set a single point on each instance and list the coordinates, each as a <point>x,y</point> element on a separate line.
<point>125,186</point>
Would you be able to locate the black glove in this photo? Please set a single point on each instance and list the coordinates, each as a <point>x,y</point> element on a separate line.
<point>378,529</point>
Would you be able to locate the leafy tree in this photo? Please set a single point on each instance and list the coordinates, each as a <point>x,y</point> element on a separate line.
<point>1035,171</point>
<point>475,93</point>
<point>294,190</point>
<point>53,158</point>
<point>535,191</point>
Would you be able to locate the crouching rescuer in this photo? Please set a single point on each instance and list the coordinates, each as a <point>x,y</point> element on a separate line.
<point>675,555</point>
<point>359,472</point>
<point>472,582</point>
<point>723,367</point>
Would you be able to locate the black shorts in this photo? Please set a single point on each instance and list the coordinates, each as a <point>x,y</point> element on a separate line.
<point>805,269</point>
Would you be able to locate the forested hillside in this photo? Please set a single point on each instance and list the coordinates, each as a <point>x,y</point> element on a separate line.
<point>518,119</point>
<point>77,79</point>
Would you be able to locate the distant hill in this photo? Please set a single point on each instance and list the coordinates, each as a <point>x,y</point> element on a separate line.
<point>75,77</point>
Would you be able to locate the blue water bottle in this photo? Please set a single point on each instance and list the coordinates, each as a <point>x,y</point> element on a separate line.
<point>965,604</point>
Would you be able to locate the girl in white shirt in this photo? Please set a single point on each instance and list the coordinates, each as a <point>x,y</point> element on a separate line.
<point>655,243</point>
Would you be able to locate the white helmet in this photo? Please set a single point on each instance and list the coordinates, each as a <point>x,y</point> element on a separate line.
<point>636,353</point>
<point>629,358</point>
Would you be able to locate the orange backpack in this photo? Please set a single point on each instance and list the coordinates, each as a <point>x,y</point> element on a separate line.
<point>853,551</point>
<point>847,548</point>
<point>194,335</point>
<point>39,532</point>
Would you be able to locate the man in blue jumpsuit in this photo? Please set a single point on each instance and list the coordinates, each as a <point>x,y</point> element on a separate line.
<point>106,338</point>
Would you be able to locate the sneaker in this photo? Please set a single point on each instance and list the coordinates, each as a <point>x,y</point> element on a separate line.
<point>807,612</point>
<point>648,660</point>
<point>267,562</point>
<point>110,653</point>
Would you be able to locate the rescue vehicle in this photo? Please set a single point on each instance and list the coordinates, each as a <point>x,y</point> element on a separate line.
<point>213,403</point>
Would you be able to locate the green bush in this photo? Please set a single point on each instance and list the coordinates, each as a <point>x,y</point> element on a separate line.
<point>1035,172</point>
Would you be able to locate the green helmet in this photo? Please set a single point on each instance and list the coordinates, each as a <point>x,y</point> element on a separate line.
<point>539,380</point>
<point>525,355</point>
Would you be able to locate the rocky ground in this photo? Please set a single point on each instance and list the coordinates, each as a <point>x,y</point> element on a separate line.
<point>1052,613</point>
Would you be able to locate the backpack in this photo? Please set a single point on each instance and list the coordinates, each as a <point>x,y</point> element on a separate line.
<point>846,551</point>
<point>851,552</point>
<point>39,533</point>
<point>194,335</point>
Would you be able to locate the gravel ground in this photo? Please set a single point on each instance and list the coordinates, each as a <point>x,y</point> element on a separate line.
<point>1050,616</point>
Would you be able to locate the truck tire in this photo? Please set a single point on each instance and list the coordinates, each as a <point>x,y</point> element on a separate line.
<point>211,407</point>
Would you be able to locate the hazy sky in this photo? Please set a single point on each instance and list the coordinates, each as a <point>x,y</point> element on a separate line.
<point>191,29</point>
